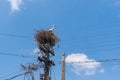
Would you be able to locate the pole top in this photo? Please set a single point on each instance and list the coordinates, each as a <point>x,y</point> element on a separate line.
<point>63,54</point>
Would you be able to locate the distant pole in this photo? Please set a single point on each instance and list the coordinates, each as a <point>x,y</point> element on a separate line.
<point>63,66</point>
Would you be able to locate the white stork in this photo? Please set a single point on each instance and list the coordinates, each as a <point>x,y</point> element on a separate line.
<point>53,27</point>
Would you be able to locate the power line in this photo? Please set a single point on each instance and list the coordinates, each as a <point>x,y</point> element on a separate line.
<point>4,76</point>
<point>109,60</point>
<point>100,47</point>
<point>54,75</point>
<point>59,62</point>
<point>16,76</point>
<point>92,61</point>
<point>11,54</point>
<point>15,35</point>
<point>69,74</point>
<point>24,36</point>
<point>97,36</point>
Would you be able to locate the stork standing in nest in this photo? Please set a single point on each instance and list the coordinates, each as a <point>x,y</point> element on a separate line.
<point>53,27</point>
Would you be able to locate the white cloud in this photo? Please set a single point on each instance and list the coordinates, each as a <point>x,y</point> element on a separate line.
<point>115,67</point>
<point>102,71</point>
<point>36,50</point>
<point>82,64</point>
<point>15,5</point>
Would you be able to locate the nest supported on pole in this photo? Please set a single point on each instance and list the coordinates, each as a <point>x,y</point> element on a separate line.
<point>46,39</point>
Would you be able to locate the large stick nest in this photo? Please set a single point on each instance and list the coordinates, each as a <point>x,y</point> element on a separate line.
<point>44,37</point>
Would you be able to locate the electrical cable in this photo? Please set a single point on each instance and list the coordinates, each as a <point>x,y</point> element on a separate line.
<point>69,74</point>
<point>16,76</point>
<point>15,35</point>
<point>24,36</point>
<point>103,36</point>
<point>102,60</point>
<point>54,75</point>
<point>11,54</point>
<point>102,47</point>
<point>4,76</point>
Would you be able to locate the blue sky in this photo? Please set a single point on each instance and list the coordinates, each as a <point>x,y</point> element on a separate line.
<point>88,30</point>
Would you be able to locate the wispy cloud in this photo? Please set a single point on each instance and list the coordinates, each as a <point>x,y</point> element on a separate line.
<point>115,67</point>
<point>81,64</point>
<point>117,3</point>
<point>36,50</point>
<point>101,70</point>
<point>15,5</point>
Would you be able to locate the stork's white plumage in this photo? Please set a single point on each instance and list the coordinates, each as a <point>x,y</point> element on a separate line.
<point>53,27</point>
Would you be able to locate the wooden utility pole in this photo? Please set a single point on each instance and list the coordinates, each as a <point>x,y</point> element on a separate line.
<point>46,68</point>
<point>46,40</point>
<point>47,64</point>
<point>63,66</point>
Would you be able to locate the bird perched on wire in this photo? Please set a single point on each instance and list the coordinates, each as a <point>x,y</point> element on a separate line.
<point>53,27</point>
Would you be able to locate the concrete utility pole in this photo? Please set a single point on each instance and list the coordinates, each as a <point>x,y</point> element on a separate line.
<point>63,66</point>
